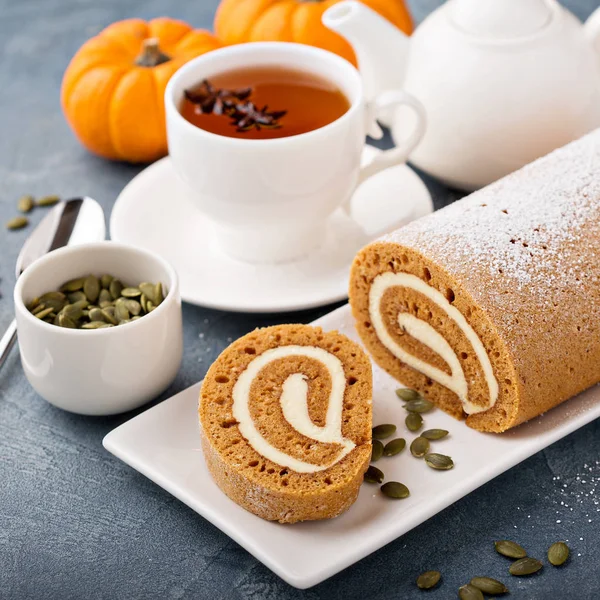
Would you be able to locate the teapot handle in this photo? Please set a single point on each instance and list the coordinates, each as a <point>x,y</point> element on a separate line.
<point>592,30</point>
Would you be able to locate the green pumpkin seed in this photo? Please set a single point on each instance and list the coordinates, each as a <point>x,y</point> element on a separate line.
<point>17,223</point>
<point>428,580</point>
<point>121,312</point>
<point>105,281</point>
<point>72,311</point>
<point>419,406</point>
<point>469,592</point>
<point>440,462</point>
<point>66,321</point>
<point>76,297</point>
<point>144,302</point>
<point>115,288</point>
<point>413,421</point>
<point>44,313</point>
<point>510,549</point>
<point>38,309</point>
<point>373,475</point>
<point>158,293</point>
<point>25,204</point>
<point>110,315</point>
<point>133,306</point>
<point>394,447</point>
<point>130,292</point>
<point>150,306</point>
<point>94,325</point>
<point>434,434</point>
<point>148,289</point>
<point>407,394</point>
<point>419,447</point>
<point>489,586</point>
<point>56,300</point>
<point>376,450</point>
<point>73,285</point>
<point>33,304</point>
<point>104,297</point>
<point>91,288</point>
<point>48,200</point>
<point>395,489</point>
<point>383,431</point>
<point>558,554</point>
<point>525,566</point>
<point>97,314</point>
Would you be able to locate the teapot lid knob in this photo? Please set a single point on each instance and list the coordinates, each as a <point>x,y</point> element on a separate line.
<point>501,18</point>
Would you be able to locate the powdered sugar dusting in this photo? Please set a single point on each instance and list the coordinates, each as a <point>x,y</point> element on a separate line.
<point>526,245</point>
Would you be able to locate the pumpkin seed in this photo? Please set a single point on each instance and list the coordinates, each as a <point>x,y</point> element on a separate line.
<point>373,475</point>
<point>419,447</point>
<point>121,312</point>
<point>144,302</point>
<point>419,406</point>
<point>407,394</point>
<point>91,288</point>
<point>158,293</point>
<point>133,306</point>
<point>25,204</point>
<point>413,421</point>
<point>489,586</point>
<point>66,321</point>
<point>510,549</point>
<point>558,554</point>
<point>110,315</point>
<point>104,297</point>
<point>44,313</point>
<point>525,566</point>
<point>376,450</point>
<point>394,447</point>
<point>130,292</point>
<point>395,489</point>
<point>150,306</point>
<point>48,200</point>
<point>38,309</point>
<point>73,285</point>
<point>35,302</point>
<point>469,592</point>
<point>440,462</point>
<point>73,311</point>
<point>17,223</point>
<point>56,300</point>
<point>97,314</point>
<point>95,325</point>
<point>434,434</point>
<point>148,289</point>
<point>383,431</point>
<point>115,288</point>
<point>76,297</point>
<point>429,579</point>
<point>105,281</point>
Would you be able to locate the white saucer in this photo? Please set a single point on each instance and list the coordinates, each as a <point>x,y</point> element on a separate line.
<point>153,212</point>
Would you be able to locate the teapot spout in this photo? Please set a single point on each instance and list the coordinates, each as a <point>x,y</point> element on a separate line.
<point>381,48</point>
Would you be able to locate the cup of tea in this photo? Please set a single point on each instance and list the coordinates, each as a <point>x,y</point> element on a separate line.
<point>268,137</point>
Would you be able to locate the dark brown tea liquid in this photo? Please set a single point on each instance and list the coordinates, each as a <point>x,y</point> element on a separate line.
<point>310,102</point>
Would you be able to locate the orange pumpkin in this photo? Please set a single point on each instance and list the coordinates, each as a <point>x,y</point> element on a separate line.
<point>240,21</point>
<point>112,92</point>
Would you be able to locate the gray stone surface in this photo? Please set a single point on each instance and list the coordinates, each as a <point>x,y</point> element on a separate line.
<point>77,523</point>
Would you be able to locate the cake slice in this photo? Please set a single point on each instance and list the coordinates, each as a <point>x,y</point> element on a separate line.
<point>285,416</point>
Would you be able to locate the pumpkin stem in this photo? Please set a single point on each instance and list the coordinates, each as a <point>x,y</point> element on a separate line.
<point>151,55</point>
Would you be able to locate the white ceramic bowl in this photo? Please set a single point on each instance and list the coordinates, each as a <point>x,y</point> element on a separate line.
<point>100,371</point>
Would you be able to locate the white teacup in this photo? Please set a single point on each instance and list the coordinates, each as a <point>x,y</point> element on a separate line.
<point>270,199</point>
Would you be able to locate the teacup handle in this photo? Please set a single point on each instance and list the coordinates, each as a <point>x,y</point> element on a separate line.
<point>400,153</point>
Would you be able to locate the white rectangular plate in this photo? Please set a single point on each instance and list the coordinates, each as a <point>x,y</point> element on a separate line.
<point>163,444</point>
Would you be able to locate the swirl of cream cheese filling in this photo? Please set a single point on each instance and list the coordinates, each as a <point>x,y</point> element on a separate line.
<point>294,404</point>
<point>426,334</point>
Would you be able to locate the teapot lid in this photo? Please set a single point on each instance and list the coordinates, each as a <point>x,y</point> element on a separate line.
<point>500,18</point>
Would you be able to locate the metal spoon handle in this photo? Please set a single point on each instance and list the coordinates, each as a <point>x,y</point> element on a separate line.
<point>7,342</point>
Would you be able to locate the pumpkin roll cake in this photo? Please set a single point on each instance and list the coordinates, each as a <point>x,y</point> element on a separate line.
<point>491,307</point>
<point>285,416</point>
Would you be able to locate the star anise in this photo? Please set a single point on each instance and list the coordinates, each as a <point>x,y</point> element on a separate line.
<point>209,99</point>
<point>247,117</point>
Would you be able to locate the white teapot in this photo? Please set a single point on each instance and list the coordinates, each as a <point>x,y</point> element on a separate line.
<point>502,81</point>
